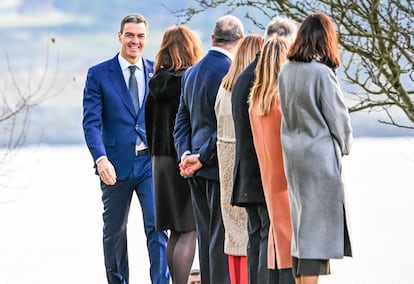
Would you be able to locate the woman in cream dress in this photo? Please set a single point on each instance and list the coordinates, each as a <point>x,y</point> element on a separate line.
<point>234,218</point>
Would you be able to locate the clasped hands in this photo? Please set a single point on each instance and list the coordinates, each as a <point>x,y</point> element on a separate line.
<point>189,165</point>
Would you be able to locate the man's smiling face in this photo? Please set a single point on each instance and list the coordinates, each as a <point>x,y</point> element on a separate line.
<point>133,39</point>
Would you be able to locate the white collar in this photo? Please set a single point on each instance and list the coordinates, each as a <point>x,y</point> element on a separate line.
<point>125,64</point>
<point>225,52</point>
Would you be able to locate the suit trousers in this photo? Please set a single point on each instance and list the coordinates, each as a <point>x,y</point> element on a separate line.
<point>116,200</point>
<point>258,230</point>
<point>205,197</point>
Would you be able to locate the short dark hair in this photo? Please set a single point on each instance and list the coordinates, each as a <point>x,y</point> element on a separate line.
<point>133,18</point>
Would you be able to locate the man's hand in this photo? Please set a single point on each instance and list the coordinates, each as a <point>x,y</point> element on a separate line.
<point>189,165</point>
<point>106,171</point>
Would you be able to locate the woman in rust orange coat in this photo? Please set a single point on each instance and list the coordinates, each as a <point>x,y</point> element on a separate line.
<point>265,119</point>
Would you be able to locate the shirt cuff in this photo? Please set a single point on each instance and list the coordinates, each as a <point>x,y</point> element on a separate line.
<point>186,153</point>
<point>100,158</point>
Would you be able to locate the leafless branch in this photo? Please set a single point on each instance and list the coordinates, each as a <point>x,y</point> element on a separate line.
<point>376,38</point>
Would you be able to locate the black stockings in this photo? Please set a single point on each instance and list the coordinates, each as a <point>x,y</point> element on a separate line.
<point>180,255</point>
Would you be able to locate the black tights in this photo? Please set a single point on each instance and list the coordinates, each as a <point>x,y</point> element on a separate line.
<point>180,255</point>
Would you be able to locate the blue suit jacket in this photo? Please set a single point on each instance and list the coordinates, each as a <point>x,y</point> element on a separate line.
<point>196,126</point>
<point>110,123</point>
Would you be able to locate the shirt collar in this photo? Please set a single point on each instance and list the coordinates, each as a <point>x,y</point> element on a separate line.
<point>225,52</point>
<point>125,64</point>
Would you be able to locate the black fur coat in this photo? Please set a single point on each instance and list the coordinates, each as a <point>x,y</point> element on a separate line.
<point>160,111</point>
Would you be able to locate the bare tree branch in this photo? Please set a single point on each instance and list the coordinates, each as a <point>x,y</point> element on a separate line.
<point>20,92</point>
<point>376,38</point>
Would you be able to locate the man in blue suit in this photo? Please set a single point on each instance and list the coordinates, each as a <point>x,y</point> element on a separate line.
<point>113,123</point>
<point>195,140</point>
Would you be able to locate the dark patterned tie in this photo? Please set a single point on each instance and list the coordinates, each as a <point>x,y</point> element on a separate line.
<point>133,87</point>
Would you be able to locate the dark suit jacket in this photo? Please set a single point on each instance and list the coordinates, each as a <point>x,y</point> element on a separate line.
<point>109,119</point>
<point>196,126</point>
<point>247,183</point>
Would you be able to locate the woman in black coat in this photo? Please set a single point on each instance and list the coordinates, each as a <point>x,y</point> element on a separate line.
<point>180,49</point>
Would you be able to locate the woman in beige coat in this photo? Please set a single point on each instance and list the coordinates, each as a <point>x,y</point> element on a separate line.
<point>265,119</point>
<point>234,218</point>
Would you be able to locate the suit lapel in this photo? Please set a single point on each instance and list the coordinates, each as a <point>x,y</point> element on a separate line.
<point>148,73</point>
<point>120,87</point>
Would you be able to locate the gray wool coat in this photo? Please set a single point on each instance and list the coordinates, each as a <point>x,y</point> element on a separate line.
<point>316,133</point>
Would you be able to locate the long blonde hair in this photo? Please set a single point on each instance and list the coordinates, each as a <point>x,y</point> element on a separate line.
<point>245,54</point>
<point>266,86</point>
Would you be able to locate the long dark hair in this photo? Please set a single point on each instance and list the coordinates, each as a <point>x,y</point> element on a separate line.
<point>316,39</point>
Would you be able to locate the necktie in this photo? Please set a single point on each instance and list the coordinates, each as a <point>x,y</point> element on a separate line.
<point>133,91</point>
<point>133,87</point>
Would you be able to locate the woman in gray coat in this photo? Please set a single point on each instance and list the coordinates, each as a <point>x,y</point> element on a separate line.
<point>316,133</point>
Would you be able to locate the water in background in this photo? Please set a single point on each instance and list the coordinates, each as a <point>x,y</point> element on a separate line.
<point>50,216</point>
